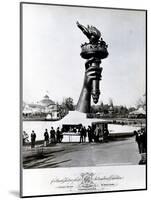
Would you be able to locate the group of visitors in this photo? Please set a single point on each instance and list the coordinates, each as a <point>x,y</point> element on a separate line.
<point>94,134</point>
<point>54,137</point>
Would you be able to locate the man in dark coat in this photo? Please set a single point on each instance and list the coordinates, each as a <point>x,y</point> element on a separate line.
<point>105,135</point>
<point>52,135</point>
<point>97,134</point>
<point>61,134</point>
<point>81,134</point>
<point>141,139</point>
<point>58,135</point>
<point>33,139</point>
<point>89,131</point>
<point>84,133</point>
<point>46,137</point>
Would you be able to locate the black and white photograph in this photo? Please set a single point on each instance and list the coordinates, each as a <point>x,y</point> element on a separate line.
<point>83,99</point>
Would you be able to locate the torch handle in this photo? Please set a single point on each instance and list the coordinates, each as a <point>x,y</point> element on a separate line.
<point>95,90</point>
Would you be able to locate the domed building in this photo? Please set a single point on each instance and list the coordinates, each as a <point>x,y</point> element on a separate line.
<point>49,107</point>
<point>45,109</point>
<point>46,101</point>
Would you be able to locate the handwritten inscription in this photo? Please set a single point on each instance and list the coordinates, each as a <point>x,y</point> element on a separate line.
<point>87,181</point>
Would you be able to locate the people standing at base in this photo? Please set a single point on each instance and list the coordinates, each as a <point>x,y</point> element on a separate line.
<point>33,139</point>
<point>89,131</point>
<point>96,133</point>
<point>25,138</point>
<point>46,137</point>
<point>58,135</point>
<point>81,134</point>
<point>84,134</point>
<point>141,139</point>
<point>105,135</point>
<point>52,135</point>
<point>61,134</point>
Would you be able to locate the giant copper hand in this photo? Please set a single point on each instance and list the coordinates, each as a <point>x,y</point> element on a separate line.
<point>93,51</point>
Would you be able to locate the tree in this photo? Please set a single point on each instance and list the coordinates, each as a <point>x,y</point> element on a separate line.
<point>106,108</point>
<point>111,102</point>
<point>101,106</point>
<point>69,103</point>
<point>141,102</point>
<point>131,109</point>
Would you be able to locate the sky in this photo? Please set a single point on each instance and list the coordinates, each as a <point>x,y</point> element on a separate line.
<point>51,53</point>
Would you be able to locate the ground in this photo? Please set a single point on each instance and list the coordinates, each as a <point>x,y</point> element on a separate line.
<point>120,151</point>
